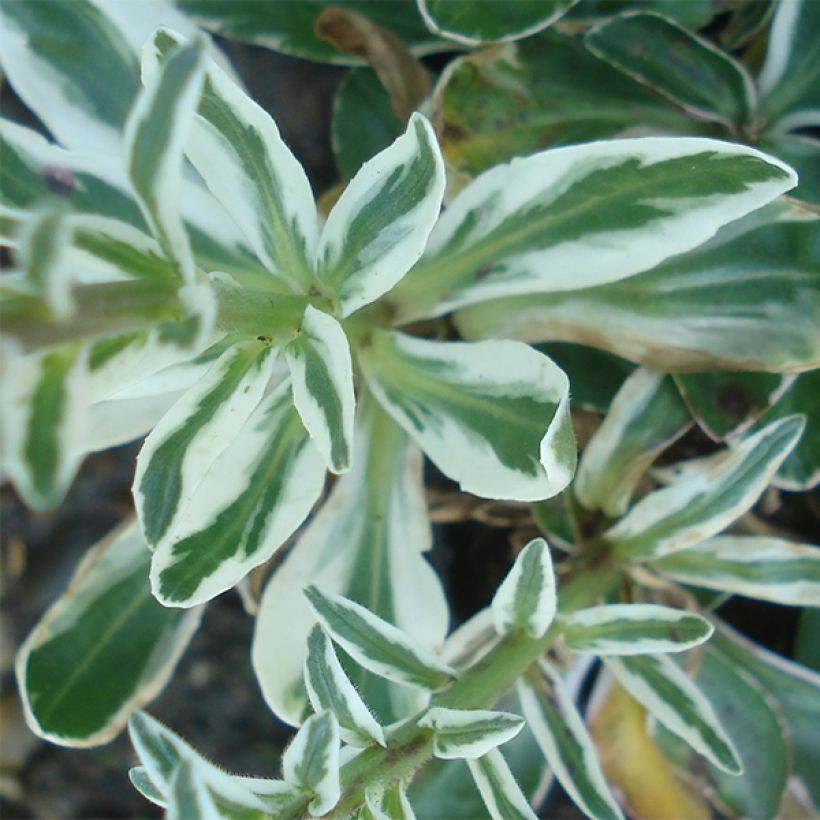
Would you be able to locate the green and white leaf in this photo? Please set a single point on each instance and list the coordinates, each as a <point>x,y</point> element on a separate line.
<point>154,138</point>
<point>45,240</point>
<point>466,733</point>
<point>708,497</point>
<point>493,416</point>
<point>44,420</point>
<point>237,149</point>
<point>140,780</point>
<point>376,644</point>
<point>330,689</point>
<point>473,22</point>
<point>378,228</point>
<point>471,640</point>
<point>78,686</point>
<point>673,699</point>
<point>311,762</point>
<point>764,567</point>
<point>189,796</point>
<point>248,499</point>
<point>367,542</point>
<point>633,629</point>
<point>194,432</point>
<point>687,69</point>
<point>73,68</point>
<point>321,373</point>
<point>758,278</point>
<point>501,794</point>
<point>526,598</point>
<point>395,805</point>
<point>526,227</point>
<point>565,741</point>
<point>646,416</point>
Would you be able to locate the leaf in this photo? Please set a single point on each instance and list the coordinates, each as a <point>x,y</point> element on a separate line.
<point>633,629</point>
<point>330,689</point>
<point>143,784</point>
<point>771,569</point>
<point>44,243</point>
<point>645,417</point>
<point>311,762</point>
<point>237,149</point>
<point>807,640</point>
<point>726,404</point>
<point>73,68</point>
<point>464,733</point>
<point>790,75</point>
<point>378,228</point>
<point>492,416</point>
<point>526,598</point>
<point>367,543</point>
<point>565,742</point>
<point>78,685</point>
<point>43,421</point>
<point>694,14</point>
<point>674,700</point>
<point>321,373</point>
<point>501,794</point>
<point>681,66</point>
<point>376,644</point>
<point>756,279</point>
<point>363,122</point>
<point>250,498</point>
<point>189,796</point>
<point>291,28</point>
<point>546,90</point>
<point>472,22</point>
<point>194,432</point>
<point>396,805</point>
<point>708,497</point>
<point>802,152</point>
<point>586,215</point>
<point>154,137</point>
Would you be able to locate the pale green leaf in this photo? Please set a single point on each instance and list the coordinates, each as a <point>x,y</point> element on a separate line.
<point>188,795</point>
<point>395,804</point>
<point>756,566</point>
<point>376,644</point>
<point>367,542</point>
<point>633,629</point>
<point>378,228</point>
<point>45,240</point>
<point>708,497</point>
<point>645,417</point>
<point>526,598</point>
<point>501,794</point>
<point>565,741</point>
<point>672,698</point>
<point>321,373</point>
<point>330,689</point>
<point>77,685</point>
<point>493,416</point>
<point>311,762</point>
<point>144,785</point>
<point>460,733</point>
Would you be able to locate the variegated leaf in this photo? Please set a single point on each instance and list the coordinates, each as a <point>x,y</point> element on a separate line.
<point>460,733</point>
<point>247,501</point>
<point>708,497</point>
<point>321,373</point>
<point>376,644</point>
<point>366,543</point>
<point>493,416</point>
<point>43,400</point>
<point>194,432</point>
<point>646,416</point>
<point>188,795</point>
<point>329,688</point>
<point>140,780</point>
<point>586,215</point>
<point>44,244</point>
<point>757,278</point>
<point>526,598</point>
<point>565,742</point>
<point>633,629</point>
<point>395,805</point>
<point>154,137</point>
<point>236,147</point>
<point>311,762</point>
<point>764,567</point>
<point>77,685</point>
<point>660,684</point>
<point>378,229</point>
<point>501,794</point>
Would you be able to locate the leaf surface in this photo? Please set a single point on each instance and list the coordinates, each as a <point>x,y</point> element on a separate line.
<point>460,733</point>
<point>501,794</point>
<point>311,762</point>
